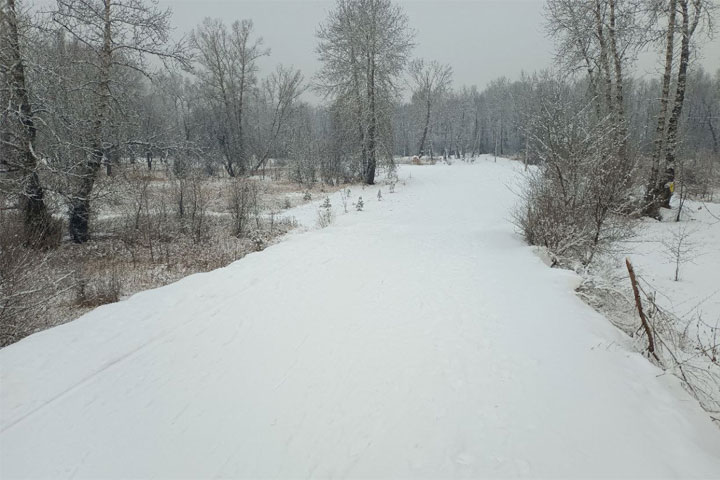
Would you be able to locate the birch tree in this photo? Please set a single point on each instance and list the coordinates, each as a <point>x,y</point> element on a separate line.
<point>600,38</point>
<point>683,19</point>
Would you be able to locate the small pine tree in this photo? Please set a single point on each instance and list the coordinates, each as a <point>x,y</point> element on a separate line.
<point>359,205</point>
<point>325,213</point>
<point>307,197</point>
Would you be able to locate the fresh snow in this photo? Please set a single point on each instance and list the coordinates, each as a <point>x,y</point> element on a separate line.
<point>697,292</point>
<point>417,338</point>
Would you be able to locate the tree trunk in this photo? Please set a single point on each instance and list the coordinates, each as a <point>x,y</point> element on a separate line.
<point>652,192</point>
<point>242,167</point>
<point>80,203</point>
<point>421,146</point>
<point>664,184</point>
<point>476,132</point>
<point>360,119</point>
<point>604,61</point>
<point>672,131</point>
<point>372,128</point>
<point>713,133</point>
<point>36,219</point>
<point>620,124</point>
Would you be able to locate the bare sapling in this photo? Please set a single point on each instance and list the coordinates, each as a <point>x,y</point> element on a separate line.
<point>680,248</point>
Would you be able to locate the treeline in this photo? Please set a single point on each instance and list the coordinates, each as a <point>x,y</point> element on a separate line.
<point>95,85</point>
<point>468,121</point>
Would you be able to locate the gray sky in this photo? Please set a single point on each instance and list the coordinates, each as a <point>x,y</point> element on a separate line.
<point>480,39</point>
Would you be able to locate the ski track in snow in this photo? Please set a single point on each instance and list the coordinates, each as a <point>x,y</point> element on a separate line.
<point>418,338</point>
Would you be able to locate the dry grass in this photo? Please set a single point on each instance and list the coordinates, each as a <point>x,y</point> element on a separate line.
<point>148,230</point>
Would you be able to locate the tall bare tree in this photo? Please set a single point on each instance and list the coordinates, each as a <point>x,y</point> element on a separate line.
<point>228,71</point>
<point>364,46</point>
<point>276,99</point>
<point>18,129</point>
<point>430,81</point>
<point>601,38</point>
<point>120,34</point>
<point>662,171</point>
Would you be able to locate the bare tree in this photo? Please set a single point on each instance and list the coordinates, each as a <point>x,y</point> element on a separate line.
<point>120,34</point>
<point>17,124</point>
<point>659,186</point>
<point>227,72</point>
<point>600,37</point>
<point>276,99</point>
<point>680,248</point>
<point>364,46</point>
<point>430,81</point>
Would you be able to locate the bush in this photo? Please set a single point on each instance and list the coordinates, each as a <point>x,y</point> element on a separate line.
<point>243,202</point>
<point>575,203</point>
<point>26,286</point>
<point>325,214</point>
<point>99,291</point>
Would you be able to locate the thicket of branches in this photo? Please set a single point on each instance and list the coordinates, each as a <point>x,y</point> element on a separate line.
<point>601,159</point>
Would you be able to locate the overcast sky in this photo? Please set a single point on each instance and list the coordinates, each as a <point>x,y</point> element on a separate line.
<point>480,39</point>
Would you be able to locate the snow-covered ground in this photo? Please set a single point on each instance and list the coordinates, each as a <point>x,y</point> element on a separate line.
<point>684,310</point>
<point>697,290</point>
<point>417,338</point>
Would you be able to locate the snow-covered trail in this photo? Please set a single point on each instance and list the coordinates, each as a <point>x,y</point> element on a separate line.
<point>419,338</point>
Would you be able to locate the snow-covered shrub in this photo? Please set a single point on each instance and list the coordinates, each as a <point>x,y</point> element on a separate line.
<point>325,213</point>
<point>26,286</point>
<point>258,240</point>
<point>576,201</point>
<point>191,198</point>
<point>243,202</point>
<point>360,204</point>
<point>98,291</point>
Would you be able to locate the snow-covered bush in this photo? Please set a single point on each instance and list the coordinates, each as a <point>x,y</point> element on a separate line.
<point>325,213</point>
<point>98,291</point>
<point>576,201</point>
<point>243,202</point>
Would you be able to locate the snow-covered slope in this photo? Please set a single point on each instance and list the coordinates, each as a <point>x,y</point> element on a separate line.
<point>419,337</point>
